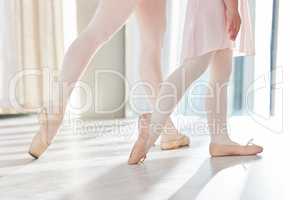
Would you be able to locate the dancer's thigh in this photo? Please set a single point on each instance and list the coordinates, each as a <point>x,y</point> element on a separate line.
<point>110,16</point>
<point>151,16</point>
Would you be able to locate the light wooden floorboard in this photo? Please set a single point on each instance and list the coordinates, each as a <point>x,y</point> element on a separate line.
<point>88,161</point>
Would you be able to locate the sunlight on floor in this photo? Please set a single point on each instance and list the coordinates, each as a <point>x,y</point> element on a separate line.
<point>87,161</point>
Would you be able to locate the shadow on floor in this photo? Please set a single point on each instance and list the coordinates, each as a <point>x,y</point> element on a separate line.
<point>209,168</point>
<point>114,183</point>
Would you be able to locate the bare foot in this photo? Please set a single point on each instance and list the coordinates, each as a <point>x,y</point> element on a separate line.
<point>138,152</point>
<point>171,138</point>
<point>234,149</point>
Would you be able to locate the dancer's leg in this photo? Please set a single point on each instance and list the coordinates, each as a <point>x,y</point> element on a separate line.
<point>151,15</point>
<point>221,144</point>
<point>108,19</point>
<point>216,106</point>
<point>170,94</point>
<point>173,89</point>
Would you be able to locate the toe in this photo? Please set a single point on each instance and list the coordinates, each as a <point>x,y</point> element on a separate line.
<point>253,150</point>
<point>137,153</point>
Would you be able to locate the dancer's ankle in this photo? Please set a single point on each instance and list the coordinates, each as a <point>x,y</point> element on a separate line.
<point>222,139</point>
<point>56,109</point>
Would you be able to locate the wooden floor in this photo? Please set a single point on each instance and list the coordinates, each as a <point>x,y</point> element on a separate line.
<point>88,161</point>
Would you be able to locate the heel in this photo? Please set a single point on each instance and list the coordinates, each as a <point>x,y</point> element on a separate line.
<point>138,152</point>
<point>136,157</point>
<point>175,144</point>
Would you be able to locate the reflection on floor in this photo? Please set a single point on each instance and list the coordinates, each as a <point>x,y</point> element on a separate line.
<point>88,161</point>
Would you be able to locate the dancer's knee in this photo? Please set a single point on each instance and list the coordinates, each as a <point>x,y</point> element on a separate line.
<point>202,63</point>
<point>151,54</point>
<point>96,38</point>
<point>222,65</point>
<point>152,43</point>
<point>227,70</point>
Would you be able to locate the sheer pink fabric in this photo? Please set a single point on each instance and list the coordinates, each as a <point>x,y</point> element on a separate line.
<point>205,29</point>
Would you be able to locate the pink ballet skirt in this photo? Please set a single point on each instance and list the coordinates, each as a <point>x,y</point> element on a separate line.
<point>205,29</point>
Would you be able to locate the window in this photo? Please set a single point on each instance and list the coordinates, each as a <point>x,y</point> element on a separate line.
<point>246,70</point>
